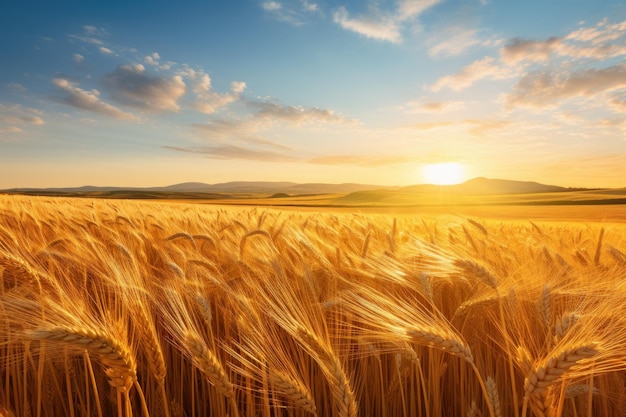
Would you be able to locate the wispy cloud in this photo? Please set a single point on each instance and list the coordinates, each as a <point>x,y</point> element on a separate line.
<point>87,100</point>
<point>476,127</point>
<point>292,12</point>
<point>547,88</point>
<point>455,41</point>
<point>91,35</point>
<point>376,27</point>
<point>486,67</point>
<point>105,51</point>
<point>133,86</point>
<point>600,42</point>
<point>234,152</point>
<point>383,25</point>
<point>364,161</point>
<point>298,115</point>
<point>14,118</point>
<point>271,6</point>
<point>425,106</point>
<point>246,131</point>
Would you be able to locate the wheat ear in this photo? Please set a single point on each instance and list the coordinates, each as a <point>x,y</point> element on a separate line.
<point>122,369</point>
<point>293,390</point>
<point>439,340</point>
<point>543,375</point>
<point>331,366</point>
<point>539,382</point>
<point>209,364</point>
<point>494,398</point>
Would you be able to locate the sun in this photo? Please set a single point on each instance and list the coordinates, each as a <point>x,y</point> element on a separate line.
<point>445,173</point>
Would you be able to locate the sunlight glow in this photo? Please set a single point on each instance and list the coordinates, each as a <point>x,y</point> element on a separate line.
<point>445,173</point>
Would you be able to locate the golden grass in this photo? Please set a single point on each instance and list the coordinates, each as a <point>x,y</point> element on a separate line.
<point>157,309</point>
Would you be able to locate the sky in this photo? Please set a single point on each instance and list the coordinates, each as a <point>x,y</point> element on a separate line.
<point>152,93</point>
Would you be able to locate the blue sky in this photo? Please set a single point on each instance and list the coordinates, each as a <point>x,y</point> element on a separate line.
<point>155,93</point>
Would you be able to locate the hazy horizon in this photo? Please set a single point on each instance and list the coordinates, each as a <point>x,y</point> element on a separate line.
<point>376,92</point>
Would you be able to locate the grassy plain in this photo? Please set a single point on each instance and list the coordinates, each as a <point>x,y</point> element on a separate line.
<point>116,307</point>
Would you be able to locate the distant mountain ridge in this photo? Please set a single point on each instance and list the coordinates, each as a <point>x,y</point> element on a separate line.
<point>475,186</point>
<point>483,186</point>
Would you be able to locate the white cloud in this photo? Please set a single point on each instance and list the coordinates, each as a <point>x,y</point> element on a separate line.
<point>455,42</point>
<point>600,42</point>
<point>423,106</point>
<point>132,85</point>
<point>209,101</point>
<point>477,70</point>
<point>298,115</point>
<point>408,9</point>
<point>105,50</point>
<point>152,59</point>
<point>16,88</point>
<point>309,7</point>
<point>271,5</point>
<point>380,28</point>
<point>78,59</point>
<point>14,117</point>
<point>87,100</point>
<point>380,25</point>
<point>228,152</point>
<point>547,89</point>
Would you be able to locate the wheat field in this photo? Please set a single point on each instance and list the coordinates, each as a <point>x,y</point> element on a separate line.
<point>120,308</point>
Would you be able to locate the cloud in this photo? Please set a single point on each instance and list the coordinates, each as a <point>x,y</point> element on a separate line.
<point>380,28</point>
<point>431,125</point>
<point>477,127</point>
<point>87,100</point>
<point>91,35</point>
<point>90,30</point>
<point>408,9</point>
<point>309,7</point>
<point>298,115</point>
<point>477,70</point>
<point>432,106</point>
<point>600,42</point>
<point>131,85</point>
<point>455,42</point>
<point>364,161</point>
<point>618,103</point>
<point>78,59</point>
<point>207,100</point>
<point>152,59</point>
<point>518,50</point>
<point>14,117</point>
<point>227,152</point>
<point>481,127</point>
<point>16,88</point>
<point>271,5</point>
<point>380,25</point>
<point>105,51</point>
<point>290,12</point>
<point>547,89</point>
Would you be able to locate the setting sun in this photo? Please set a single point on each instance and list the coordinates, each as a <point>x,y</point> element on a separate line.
<point>446,173</point>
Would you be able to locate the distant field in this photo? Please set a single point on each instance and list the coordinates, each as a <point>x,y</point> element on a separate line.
<point>372,198</point>
<point>153,308</point>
